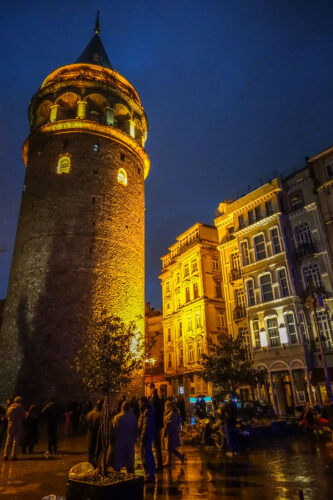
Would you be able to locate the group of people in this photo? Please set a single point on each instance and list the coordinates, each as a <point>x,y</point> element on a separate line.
<point>150,422</point>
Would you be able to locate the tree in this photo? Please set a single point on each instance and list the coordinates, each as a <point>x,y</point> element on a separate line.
<point>106,362</point>
<point>226,366</point>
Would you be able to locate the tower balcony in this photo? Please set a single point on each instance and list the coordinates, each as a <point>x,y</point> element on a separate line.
<point>235,274</point>
<point>239,313</point>
<point>305,250</point>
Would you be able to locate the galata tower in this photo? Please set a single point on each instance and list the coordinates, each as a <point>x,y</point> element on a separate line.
<point>79,245</point>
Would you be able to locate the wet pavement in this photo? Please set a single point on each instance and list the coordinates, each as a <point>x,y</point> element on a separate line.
<point>274,471</point>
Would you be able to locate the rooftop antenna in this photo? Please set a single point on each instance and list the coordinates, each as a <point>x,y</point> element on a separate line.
<point>97,29</point>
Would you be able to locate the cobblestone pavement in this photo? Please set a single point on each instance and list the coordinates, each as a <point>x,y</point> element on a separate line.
<point>273,472</point>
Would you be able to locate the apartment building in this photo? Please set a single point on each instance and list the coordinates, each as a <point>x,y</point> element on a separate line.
<point>193,307</point>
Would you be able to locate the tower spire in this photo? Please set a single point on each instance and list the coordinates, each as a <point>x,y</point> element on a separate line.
<point>97,29</point>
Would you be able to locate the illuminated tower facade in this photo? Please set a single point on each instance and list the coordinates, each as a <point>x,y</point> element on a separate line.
<point>79,246</point>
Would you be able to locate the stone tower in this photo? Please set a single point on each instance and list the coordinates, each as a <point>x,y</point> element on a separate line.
<point>79,245</point>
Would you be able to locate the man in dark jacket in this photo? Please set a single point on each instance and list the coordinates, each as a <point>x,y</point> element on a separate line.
<point>146,436</point>
<point>94,443</point>
<point>53,413</point>
<point>228,415</point>
<point>159,409</point>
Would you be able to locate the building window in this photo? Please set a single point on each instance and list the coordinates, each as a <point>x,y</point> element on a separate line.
<point>325,327</point>
<point>194,265</point>
<point>266,287</point>
<point>257,212</point>
<point>241,222</point>
<point>180,329</point>
<point>296,201</point>
<point>181,356</point>
<point>168,306</point>
<point>64,164</point>
<point>239,297</point>
<point>215,264</point>
<point>275,239</point>
<point>218,289</point>
<point>268,208</point>
<point>189,323</point>
<point>199,349</point>
<point>250,216</point>
<point>177,278</point>
<point>283,282</point>
<point>243,333</point>
<point>195,290</point>
<point>187,294</point>
<point>312,276</point>
<point>329,170</point>
<point>259,246</point>
<point>169,360</point>
<point>291,327</point>
<point>273,332</point>
<point>235,262</point>
<point>190,353</point>
<point>186,270</point>
<point>197,319</point>
<point>122,176</point>
<point>178,300</point>
<point>245,253</point>
<point>256,334</point>
<point>220,320</point>
<point>250,293</point>
<point>167,287</point>
<point>169,335</point>
<point>302,234</point>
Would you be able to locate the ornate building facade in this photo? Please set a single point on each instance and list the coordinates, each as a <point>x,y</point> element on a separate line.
<point>79,247</point>
<point>193,307</point>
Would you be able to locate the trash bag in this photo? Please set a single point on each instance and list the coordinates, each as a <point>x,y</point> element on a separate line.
<point>83,471</point>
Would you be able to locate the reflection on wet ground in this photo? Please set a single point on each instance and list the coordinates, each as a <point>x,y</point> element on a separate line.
<point>275,471</point>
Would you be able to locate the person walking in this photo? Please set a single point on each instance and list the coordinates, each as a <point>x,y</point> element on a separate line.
<point>171,432</point>
<point>53,413</point>
<point>228,414</point>
<point>125,430</point>
<point>146,436</point>
<point>159,410</point>
<point>30,430</point>
<point>15,415</point>
<point>94,442</point>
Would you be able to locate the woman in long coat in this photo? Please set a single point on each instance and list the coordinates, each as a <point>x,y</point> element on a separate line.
<point>125,430</point>
<point>171,432</point>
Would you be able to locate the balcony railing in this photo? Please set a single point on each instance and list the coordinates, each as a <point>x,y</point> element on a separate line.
<point>305,249</point>
<point>239,313</point>
<point>235,274</point>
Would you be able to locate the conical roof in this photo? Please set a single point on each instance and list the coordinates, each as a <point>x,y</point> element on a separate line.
<point>95,53</point>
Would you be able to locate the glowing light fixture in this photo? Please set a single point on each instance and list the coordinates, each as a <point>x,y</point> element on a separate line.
<point>263,339</point>
<point>64,164</point>
<point>283,334</point>
<point>122,176</point>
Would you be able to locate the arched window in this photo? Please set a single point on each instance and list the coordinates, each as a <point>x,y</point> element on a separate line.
<point>302,233</point>
<point>199,349</point>
<point>312,276</point>
<point>122,176</point>
<point>64,164</point>
<point>259,247</point>
<point>266,287</point>
<point>245,253</point>
<point>291,327</point>
<point>273,332</point>
<point>275,239</point>
<point>190,353</point>
<point>325,327</point>
<point>251,301</point>
<point>283,282</point>
<point>256,334</point>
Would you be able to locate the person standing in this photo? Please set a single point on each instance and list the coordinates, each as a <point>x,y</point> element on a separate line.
<point>159,409</point>
<point>228,414</point>
<point>125,430</point>
<point>30,430</point>
<point>94,443</point>
<point>146,436</point>
<point>171,432</point>
<point>53,413</point>
<point>15,416</point>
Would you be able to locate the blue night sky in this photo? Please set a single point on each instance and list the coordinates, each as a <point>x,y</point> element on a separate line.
<point>234,91</point>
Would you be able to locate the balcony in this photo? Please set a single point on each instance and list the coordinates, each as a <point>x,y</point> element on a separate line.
<point>239,313</point>
<point>305,249</point>
<point>235,274</point>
